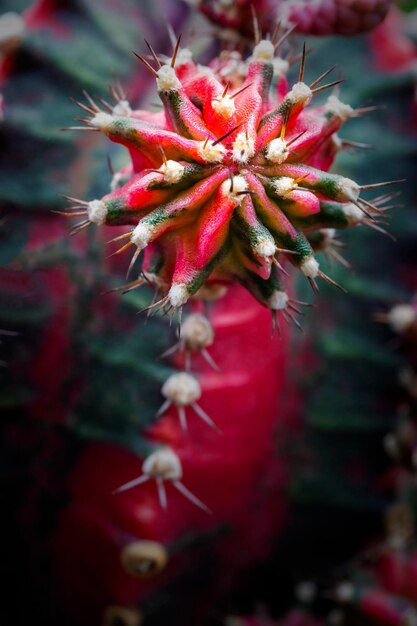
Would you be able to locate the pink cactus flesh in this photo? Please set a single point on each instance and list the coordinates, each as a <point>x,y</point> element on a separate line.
<point>229,180</point>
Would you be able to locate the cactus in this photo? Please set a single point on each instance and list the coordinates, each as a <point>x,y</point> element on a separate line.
<point>94,375</point>
<point>260,154</point>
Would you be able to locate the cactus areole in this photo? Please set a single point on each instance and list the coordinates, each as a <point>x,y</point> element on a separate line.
<point>228,181</point>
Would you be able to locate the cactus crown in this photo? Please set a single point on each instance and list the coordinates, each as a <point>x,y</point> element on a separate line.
<point>230,179</point>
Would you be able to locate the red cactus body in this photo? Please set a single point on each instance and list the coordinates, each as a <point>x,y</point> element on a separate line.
<point>228,180</point>
<point>235,473</point>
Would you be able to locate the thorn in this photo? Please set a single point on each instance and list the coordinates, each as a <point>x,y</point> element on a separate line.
<point>165,406</point>
<point>139,282</point>
<point>105,104</point>
<point>207,357</point>
<point>76,200</point>
<point>331,281</point>
<point>170,351</point>
<point>286,251</point>
<point>69,213</point>
<point>162,494</point>
<point>177,47</point>
<point>371,217</point>
<point>190,496</point>
<point>314,285</point>
<point>84,107</point>
<point>371,206</point>
<point>321,77</point>
<point>378,229</point>
<point>363,110</point>
<point>183,418</point>
<point>256,30</point>
<point>131,484</point>
<point>275,323</point>
<point>294,139</point>
<point>295,321</point>
<point>163,155</point>
<point>247,192</point>
<point>357,144</point>
<point>279,266</point>
<point>87,128</point>
<point>203,415</point>
<point>152,51</point>
<point>91,101</point>
<point>241,90</point>
<point>226,134</point>
<point>328,86</point>
<point>119,237</point>
<point>120,250</point>
<point>146,64</point>
<point>171,34</point>
<point>284,37</point>
<point>275,33</point>
<point>110,166</point>
<point>160,304</point>
<point>79,227</point>
<point>383,184</point>
<point>132,262</point>
<point>302,64</point>
<point>226,89</point>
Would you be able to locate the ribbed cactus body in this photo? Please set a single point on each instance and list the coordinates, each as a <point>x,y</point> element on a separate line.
<point>235,473</point>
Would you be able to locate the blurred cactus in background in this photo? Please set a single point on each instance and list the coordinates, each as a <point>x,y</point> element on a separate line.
<point>126,505</point>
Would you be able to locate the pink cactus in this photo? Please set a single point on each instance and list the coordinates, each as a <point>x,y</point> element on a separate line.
<point>229,179</point>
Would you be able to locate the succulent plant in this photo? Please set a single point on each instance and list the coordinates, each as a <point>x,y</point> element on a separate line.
<point>99,411</point>
<point>314,17</point>
<point>229,180</point>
